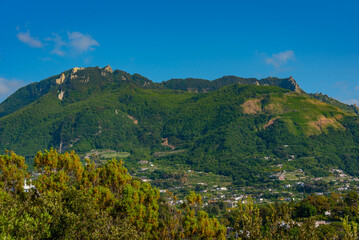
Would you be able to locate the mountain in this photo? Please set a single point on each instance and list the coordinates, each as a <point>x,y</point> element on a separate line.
<point>325,98</point>
<point>203,86</point>
<point>230,126</point>
<point>76,83</point>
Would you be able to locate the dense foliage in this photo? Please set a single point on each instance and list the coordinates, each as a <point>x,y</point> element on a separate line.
<point>67,199</point>
<point>70,200</point>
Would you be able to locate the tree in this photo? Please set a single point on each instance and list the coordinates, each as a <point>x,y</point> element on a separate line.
<point>305,209</point>
<point>350,229</point>
<point>248,222</point>
<point>57,171</point>
<point>12,172</point>
<point>72,201</point>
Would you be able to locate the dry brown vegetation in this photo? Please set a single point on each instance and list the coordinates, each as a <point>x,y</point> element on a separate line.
<point>252,106</point>
<point>324,122</point>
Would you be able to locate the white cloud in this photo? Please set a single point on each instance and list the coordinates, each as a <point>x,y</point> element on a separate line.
<point>278,59</point>
<point>59,45</point>
<point>26,38</point>
<point>8,87</point>
<point>75,43</point>
<point>357,87</point>
<point>80,42</point>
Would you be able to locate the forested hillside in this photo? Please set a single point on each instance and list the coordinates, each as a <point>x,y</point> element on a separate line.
<point>232,126</point>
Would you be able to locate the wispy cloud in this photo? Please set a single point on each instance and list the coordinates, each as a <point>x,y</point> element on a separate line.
<point>8,87</point>
<point>73,44</point>
<point>81,42</point>
<point>59,45</point>
<point>357,87</point>
<point>279,59</point>
<point>26,38</point>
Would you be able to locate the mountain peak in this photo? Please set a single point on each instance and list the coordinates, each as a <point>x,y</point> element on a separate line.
<point>295,85</point>
<point>108,69</point>
<point>75,69</point>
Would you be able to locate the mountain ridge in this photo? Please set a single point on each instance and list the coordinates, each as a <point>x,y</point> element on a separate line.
<point>227,129</point>
<point>33,91</point>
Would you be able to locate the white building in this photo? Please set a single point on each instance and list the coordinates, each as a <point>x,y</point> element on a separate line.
<point>28,187</point>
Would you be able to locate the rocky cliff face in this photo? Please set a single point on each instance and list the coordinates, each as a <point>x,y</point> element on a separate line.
<point>294,85</point>
<point>108,69</point>
<point>61,79</point>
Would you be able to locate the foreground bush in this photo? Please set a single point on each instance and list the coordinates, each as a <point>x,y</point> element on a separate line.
<point>71,200</point>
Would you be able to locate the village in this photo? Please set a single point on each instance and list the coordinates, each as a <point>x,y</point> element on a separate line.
<point>286,186</point>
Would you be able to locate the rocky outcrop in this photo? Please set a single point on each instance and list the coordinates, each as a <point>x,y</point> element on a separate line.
<point>165,143</point>
<point>147,84</point>
<point>270,122</point>
<point>356,108</point>
<point>61,95</point>
<point>135,121</point>
<point>108,69</point>
<point>193,90</point>
<point>61,79</point>
<point>75,69</point>
<point>294,85</point>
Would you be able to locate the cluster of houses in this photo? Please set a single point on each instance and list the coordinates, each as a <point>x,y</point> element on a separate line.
<point>288,191</point>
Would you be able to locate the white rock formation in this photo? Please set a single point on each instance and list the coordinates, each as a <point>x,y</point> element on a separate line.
<point>108,69</point>
<point>61,79</point>
<point>75,69</point>
<point>61,95</point>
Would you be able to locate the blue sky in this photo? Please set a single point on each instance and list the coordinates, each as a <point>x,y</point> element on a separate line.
<point>316,42</point>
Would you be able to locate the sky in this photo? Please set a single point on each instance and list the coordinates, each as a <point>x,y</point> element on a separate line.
<point>316,42</point>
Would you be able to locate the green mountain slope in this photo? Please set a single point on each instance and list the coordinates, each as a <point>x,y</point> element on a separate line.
<point>25,96</point>
<point>325,98</point>
<point>229,126</point>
